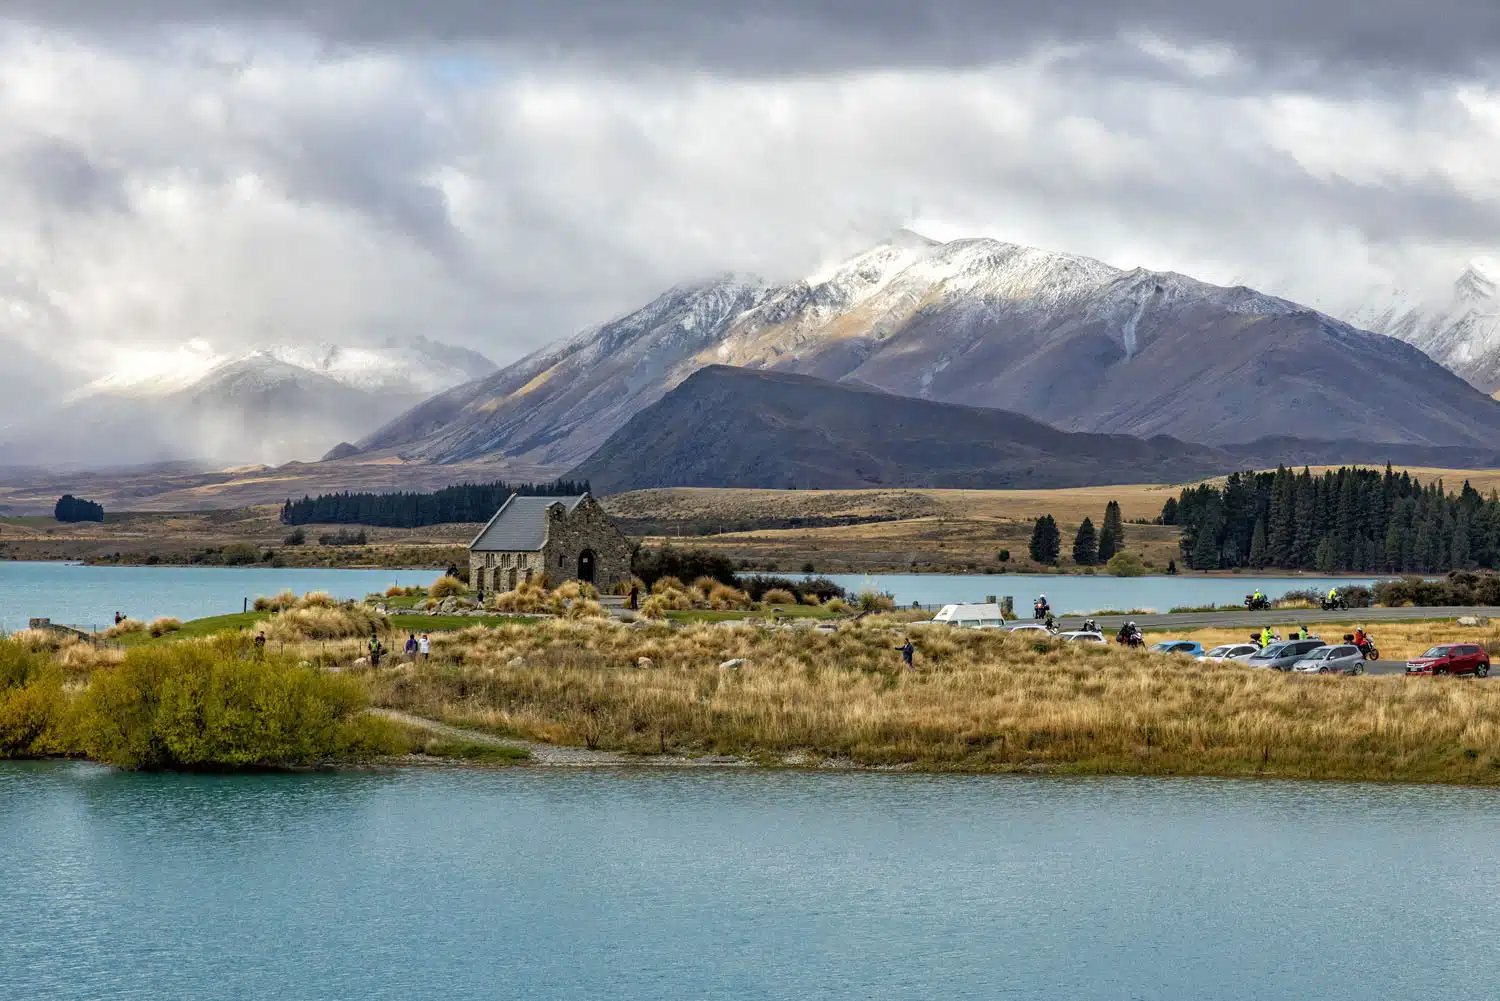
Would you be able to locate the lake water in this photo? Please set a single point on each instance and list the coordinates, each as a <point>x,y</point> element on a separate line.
<point>640,885</point>
<point>1072,594</point>
<point>87,596</point>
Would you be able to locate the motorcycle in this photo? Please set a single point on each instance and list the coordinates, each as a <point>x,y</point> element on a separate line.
<point>1040,610</point>
<point>1367,649</point>
<point>1257,603</point>
<point>1337,604</point>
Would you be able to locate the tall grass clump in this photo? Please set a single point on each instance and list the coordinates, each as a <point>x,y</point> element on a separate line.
<point>124,628</point>
<point>219,704</point>
<point>317,622</point>
<point>446,587</point>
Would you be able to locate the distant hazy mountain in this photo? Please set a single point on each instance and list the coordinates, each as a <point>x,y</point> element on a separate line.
<point>735,427</point>
<point>267,405</point>
<point>1061,338</point>
<point>1460,330</point>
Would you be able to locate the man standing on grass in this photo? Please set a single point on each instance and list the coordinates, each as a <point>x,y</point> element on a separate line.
<point>907,653</point>
<point>426,647</point>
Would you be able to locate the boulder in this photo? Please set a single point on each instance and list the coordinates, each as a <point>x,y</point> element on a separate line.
<point>448,606</point>
<point>362,662</point>
<point>516,662</point>
<point>1473,620</point>
<point>733,665</point>
<point>644,663</point>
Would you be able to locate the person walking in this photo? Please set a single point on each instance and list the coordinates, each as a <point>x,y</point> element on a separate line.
<point>375,649</point>
<point>425,646</point>
<point>260,642</point>
<point>634,602</point>
<point>908,652</point>
<point>411,647</point>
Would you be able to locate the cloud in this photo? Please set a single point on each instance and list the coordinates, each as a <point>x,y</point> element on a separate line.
<point>501,175</point>
<point>779,36</point>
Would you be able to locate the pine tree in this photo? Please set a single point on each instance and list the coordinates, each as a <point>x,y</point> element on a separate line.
<point>1046,541</point>
<point>1112,535</point>
<point>1458,557</point>
<point>1326,559</point>
<point>1169,511</point>
<point>1205,554</point>
<point>1086,545</point>
<point>1259,554</point>
<point>1281,526</point>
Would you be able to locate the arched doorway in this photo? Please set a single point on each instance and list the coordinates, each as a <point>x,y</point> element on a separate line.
<point>586,566</point>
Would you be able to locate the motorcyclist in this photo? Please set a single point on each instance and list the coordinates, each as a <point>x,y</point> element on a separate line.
<point>1258,597</point>
<point>1040,608</point>
<point>1124,634</point>
<point>1359,637</point>
<point>1090,626</point>
<point>1050,623</point>
<point>1333,595</point>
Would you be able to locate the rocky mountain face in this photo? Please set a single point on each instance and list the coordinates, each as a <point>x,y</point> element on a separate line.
<point>1060,338</point>
<point>738,427</point>
<point>1460,330</point>
<point>268,405</point>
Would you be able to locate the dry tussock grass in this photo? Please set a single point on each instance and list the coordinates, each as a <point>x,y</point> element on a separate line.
<point>976,702</point>
<point>124,628</point>
<point>316,622</point>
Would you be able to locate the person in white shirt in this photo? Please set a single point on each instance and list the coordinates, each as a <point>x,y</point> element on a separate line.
<point>426,647</point>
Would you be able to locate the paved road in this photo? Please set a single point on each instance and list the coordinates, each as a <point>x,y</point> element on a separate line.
<point>1278,620</point>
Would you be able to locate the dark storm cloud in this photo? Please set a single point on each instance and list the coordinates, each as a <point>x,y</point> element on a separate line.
<point>771,36</point>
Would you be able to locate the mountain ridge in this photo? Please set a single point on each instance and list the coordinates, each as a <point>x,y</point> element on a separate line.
<point>1062,338</point>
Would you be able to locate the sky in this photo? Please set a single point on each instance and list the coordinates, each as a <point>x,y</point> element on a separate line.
<point>500,175</point>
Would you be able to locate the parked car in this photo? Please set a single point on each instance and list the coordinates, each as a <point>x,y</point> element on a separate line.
<point>1080,636</point>
<point>1031,627</point>
<point>980,616</point>
<point>1281,656</point>
<point>1452,658</point>
<point>1344,659</point>
<point>1177,646</point>
<point>1231,651</point>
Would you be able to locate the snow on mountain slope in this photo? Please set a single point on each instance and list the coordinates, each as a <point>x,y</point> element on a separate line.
<point>1460,330</point>
<point>1058,337</point>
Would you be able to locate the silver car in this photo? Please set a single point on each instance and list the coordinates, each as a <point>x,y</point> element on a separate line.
<point>1281,656</point>
<point>1332,660</point>
<point>1081,636</point>
<point>1231,651</point>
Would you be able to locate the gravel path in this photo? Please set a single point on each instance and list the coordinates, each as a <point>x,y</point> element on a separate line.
<point>555,756</point>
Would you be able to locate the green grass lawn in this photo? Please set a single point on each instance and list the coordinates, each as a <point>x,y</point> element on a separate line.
<point>410,623</point>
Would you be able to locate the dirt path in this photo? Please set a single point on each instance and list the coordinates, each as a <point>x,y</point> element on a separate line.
<point>552,755</point>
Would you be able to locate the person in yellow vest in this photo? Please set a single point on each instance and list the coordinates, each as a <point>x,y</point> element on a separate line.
<point>1265,636</point>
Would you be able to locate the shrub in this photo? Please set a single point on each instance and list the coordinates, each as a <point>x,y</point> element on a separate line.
<point>1003,556</point>
<point>213,705</point>
<point>838,606</point>
<point>654,607</point>
<point>297,538</point>
<point>664,584</point>
<point>1126,565</point>
<point>723,597</point>
<point>31,702</point>
<point>577,589</point>
<point>238,554</point>
<point>780,596</point>
<point>525,598</point>
<point>811,599</point>
<point>870,601</point>
<point>650,565</point>
<point>446,587</point>
<point>162,626</point>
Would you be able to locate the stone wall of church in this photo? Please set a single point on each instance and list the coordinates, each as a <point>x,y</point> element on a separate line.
<point>587,528</point>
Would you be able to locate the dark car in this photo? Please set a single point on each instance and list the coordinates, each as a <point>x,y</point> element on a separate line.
<point>1452,658</point>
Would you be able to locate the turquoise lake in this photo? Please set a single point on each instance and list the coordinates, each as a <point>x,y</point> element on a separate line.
<point>89,595</point>
<point>629,885</point>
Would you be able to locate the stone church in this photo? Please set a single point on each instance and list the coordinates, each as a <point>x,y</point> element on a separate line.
<point>565,538</point>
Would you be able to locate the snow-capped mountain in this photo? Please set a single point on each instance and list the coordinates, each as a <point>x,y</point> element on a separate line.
<point>1059,337</point>
<point>1460,330</point>
<point>267,405</point>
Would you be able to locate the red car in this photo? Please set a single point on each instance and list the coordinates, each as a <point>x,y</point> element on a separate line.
<point>1452,658</point>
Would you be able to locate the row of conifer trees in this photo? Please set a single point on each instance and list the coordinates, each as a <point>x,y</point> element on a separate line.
<point>1350,520</point>
<point>1090,547</point>
<point>468,502</point>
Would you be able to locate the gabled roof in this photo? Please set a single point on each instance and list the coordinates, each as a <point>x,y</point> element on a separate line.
<point>521,524</point>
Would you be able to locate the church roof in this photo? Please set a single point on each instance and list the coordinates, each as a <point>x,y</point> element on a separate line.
<point>520,525</point>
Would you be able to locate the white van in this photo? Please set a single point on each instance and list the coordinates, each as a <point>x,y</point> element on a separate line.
<point>971,616</point>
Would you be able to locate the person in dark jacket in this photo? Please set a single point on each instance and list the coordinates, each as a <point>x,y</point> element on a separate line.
<point>908,652</point>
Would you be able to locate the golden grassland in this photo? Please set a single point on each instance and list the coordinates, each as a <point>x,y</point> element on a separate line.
<point>976,702</point>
